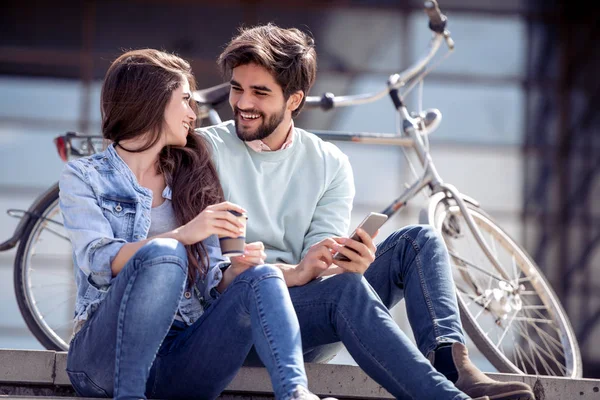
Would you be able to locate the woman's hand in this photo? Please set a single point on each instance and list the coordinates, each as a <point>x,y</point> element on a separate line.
<point>213,220</point>
<point>254,254</point>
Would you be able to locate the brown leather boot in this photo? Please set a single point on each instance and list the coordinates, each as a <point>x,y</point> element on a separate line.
<point>475,383</point>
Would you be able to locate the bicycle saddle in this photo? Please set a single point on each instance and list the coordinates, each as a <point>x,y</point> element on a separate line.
<point>212,96</point>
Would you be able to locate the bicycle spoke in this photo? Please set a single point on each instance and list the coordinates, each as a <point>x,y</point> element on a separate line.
<point>535,308</point>
<point>514,353</point>
<point>512,319</point>
<point>49,285</point>
<point>532,315</point>
<point>536,320</point>
<point>539,314</point>
<point>483,308</point>
<point>56,306</point>
<point>490,283</point>
<point>545,364</point>
<point>556,344</point>
<point>53,294</point>
<point>526,357</point>
<point>533,363</point>
<point>517,353</point>
<point>472,297</point>
<point>515,269</point>
<point>535,347</point>
<point>553,325</point>
<point>553,345</point>
<point>63,325</point>
<point>475,267</point>
<point>561,366</point>
<point>465,292</point>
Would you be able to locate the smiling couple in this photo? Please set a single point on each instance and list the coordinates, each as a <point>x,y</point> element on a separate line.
<point>162,313</point>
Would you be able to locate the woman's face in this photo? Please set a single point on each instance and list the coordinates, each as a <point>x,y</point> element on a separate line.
<point>179,116</point>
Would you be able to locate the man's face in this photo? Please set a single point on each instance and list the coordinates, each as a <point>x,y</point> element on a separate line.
<point>257,101</point>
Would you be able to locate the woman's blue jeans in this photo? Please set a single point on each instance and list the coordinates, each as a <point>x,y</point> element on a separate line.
<point>131,348</point>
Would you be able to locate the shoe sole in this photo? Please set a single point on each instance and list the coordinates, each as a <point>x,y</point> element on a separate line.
<point>516,395</point>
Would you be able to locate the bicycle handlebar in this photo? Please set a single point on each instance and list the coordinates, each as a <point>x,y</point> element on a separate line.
<point>437,20</point>
<point>437,23</point>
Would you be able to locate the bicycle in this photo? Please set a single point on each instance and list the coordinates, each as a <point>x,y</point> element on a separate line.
<point>507,306</point>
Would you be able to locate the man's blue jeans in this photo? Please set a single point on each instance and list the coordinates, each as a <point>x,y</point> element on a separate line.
<point>130,346</point>
<point>413,264</point>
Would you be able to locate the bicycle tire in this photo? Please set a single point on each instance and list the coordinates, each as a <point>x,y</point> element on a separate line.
<point>29,304</point>
<point>541,342</point>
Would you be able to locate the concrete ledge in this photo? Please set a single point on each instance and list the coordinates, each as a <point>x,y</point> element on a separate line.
<point>35,367</point>
<point>42,373</point>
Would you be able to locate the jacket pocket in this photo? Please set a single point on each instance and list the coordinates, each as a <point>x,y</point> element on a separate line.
<point>121,215</point>
<point>93,296</point>
<point>84,386</point>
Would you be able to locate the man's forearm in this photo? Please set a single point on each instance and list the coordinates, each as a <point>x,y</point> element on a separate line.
<point>290,274</point>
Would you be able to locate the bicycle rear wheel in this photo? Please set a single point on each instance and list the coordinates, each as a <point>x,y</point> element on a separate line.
<point>44,275</point>
<point>513,316</point>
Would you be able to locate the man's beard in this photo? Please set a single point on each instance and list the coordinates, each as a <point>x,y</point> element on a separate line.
<point>267,127</point>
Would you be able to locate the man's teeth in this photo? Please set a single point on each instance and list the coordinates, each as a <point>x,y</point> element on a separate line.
<point>249,116</point>
<point>187,126</point>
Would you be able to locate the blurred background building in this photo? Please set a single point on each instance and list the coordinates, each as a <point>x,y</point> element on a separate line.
<point>519,97</point>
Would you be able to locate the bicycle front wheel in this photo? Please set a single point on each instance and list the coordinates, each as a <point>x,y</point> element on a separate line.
<point>512,315</point>
<point>44,275</point>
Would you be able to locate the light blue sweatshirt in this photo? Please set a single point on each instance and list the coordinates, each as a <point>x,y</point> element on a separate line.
<point>295,197</point>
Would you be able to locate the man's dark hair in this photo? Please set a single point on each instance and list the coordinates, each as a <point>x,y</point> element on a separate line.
<point>289,54</point>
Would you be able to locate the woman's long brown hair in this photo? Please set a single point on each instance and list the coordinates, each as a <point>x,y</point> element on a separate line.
<point>135,93</point>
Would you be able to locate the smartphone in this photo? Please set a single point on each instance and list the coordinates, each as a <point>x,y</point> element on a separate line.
<point>370,224</point>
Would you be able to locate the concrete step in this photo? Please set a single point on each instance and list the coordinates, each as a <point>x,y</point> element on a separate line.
<point>29,374</point>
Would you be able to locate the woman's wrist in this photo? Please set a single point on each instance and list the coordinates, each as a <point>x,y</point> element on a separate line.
<point>175,234</point>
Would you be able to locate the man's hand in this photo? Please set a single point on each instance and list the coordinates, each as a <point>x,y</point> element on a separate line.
<point>361,255</point>
<point>318,258</point>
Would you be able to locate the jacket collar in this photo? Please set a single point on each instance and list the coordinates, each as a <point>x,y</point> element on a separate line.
<point>122,166</point>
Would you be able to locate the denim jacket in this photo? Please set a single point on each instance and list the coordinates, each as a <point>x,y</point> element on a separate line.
<point>103,208</point>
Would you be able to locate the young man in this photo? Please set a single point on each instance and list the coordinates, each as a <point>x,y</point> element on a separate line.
<point>298,191</point>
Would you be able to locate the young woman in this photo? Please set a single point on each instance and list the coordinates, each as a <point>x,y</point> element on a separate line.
<point>160,312</point>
